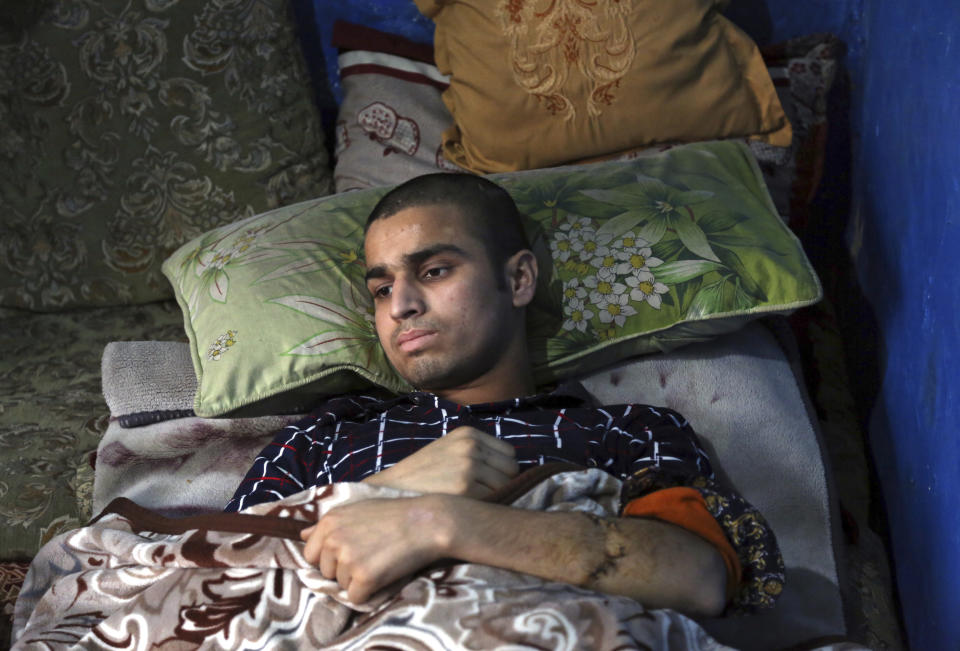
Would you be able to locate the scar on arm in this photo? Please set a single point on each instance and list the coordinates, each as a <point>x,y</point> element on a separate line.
<point>613,549</point>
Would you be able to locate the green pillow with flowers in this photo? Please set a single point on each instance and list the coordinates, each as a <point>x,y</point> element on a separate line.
<point>636,257</point>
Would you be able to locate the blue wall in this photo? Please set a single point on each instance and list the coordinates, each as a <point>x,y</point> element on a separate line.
<point>776,20</point>
<point>906,244</point>
<point>902,195</point>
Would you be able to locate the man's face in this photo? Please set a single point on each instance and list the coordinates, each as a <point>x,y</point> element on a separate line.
<point>441,314</point>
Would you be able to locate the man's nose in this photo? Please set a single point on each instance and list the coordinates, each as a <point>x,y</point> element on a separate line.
<point>406,301</point>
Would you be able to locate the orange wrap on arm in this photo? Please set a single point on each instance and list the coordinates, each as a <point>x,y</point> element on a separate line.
<point>685,507</point>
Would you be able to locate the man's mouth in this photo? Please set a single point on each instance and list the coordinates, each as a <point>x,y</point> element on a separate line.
<point>413,340</point>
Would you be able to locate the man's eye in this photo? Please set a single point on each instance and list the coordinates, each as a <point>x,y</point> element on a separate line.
<point>435,272</point>
<point>382,292</point>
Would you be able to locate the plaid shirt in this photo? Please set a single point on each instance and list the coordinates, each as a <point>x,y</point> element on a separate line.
<point>352,437</point>
<point>650,448</point>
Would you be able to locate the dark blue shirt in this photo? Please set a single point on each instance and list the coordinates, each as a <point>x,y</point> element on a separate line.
<point>352,437</point>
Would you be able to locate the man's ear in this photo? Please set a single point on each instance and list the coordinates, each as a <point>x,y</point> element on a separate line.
<point>522,274</point>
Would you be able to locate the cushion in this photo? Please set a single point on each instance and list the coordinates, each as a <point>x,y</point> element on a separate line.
<point>535,84</point>
<point>381,68</point>
<point>635,257</point>
<point>396,17</point>
<point>803,71</point>
<point>52,413</point>
<point>130,127</point>
<point>391,121</point>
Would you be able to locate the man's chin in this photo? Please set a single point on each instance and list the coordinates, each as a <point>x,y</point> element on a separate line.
<point>429,376</point>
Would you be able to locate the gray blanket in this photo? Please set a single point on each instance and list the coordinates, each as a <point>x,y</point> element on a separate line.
<point>148,381</point>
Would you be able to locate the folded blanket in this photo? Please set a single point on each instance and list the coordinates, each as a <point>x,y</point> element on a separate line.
<point>180,466</point>
<point>136,580</point>
<point>148,381</point>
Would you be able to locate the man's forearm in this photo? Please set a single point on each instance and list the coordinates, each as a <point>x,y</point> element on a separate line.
<point>658,564</point>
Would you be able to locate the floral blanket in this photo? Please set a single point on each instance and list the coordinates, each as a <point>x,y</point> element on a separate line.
<point>135,579</point>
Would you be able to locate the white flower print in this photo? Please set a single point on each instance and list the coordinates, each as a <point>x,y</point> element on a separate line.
<point>615,309</point>
<point>578,227</point>
<point>221,345</point>
<point>561,246</point>
<point>216,259</point>
<point>637,263</point>
<point>602,288</point>
<point>629,242</point>
<point>573,290</point>
<point>648,289</point>
<point>578,315</point>
<point>608,274</point>
<point>605,259</point>
<point>590,248</point>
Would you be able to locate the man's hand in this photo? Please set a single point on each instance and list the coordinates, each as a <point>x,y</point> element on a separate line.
<point>465,462</point>
<point>367,545</point>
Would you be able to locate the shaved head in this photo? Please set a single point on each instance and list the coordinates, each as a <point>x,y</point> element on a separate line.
<point>489,211</point>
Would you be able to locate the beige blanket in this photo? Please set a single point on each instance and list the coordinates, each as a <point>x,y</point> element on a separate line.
<point>136,580</point>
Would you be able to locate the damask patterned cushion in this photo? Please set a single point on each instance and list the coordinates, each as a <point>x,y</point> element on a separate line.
<point>538,83</point>
<point>636,257</point>
<point>52,414</point>
<point>129,127</point>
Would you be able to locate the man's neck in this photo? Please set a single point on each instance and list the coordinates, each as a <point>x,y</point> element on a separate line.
<point>491,389</point>
<point>513,378</point>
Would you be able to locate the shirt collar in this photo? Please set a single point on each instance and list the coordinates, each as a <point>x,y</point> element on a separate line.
<point>566,394</point>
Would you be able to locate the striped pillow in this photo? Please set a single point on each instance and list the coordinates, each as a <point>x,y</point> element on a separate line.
<point>391,120</point>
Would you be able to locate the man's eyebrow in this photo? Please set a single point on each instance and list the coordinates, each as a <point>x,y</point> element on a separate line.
<point>375,272</point>
<point>417,258</point>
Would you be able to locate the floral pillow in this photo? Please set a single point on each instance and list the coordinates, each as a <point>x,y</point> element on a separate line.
<point>636,257</point>
<point>128,127</point>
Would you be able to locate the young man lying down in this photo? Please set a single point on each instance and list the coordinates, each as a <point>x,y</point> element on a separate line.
<point>451,274</point>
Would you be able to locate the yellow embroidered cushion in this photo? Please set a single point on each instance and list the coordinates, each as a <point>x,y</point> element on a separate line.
<point>535,83</point>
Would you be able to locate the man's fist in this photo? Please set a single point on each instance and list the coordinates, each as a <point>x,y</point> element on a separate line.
<point>369,544</point>
<point>464,462</point>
